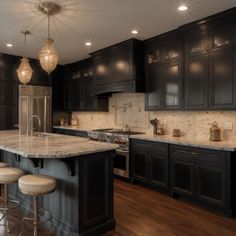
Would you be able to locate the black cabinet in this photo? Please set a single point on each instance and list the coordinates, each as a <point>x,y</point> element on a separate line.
<point>196,70</point>
<point>8,91</point>
<point>193,67</point>
<point>203,175</point>
<point>164,72</point>
<point>119,68</point>
<point>97,183</point>
<point>222,66</point>
<point>8,117</point>
<point>79,78</point>
<point>58,89</point>
<point>7,66</point>
<point>153,99</point>
<point>149,163</point>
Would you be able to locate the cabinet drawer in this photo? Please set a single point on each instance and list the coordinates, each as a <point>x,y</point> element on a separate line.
<point>157,147</point>
<point>201,154</point>
<point>151,146</point>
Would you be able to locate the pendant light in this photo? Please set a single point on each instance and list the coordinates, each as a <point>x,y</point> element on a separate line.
<point>48,55</point>
<point>24,72</point>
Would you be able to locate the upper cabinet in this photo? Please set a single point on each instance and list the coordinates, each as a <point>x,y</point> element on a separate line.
<point>119,68</point>
<point>78,81</point>
<point>193,67</point>
<point>58,91</point>
<point>196,69</point>
<point>163,72</point>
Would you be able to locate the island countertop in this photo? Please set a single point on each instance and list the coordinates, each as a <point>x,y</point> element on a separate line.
<point>50,145</point>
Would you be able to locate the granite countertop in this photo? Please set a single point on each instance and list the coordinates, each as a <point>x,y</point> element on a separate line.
<point>71,127</point>
<point>50,146</point>
<point>187,141</point>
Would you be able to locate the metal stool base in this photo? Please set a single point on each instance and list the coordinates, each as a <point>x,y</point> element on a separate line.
<point>36,218</point>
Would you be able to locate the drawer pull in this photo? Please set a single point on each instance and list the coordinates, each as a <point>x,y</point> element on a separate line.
<point>194,153</point>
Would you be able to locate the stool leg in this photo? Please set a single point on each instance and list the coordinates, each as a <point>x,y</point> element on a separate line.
<point>6,206</point>
<point>35,200</point>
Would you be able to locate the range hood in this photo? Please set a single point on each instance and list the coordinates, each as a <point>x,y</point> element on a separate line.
<point>129,86</point>
<point>119,68</point>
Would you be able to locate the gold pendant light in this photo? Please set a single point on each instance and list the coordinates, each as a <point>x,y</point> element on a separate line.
<point>48,55</point>
<point>24,72</point>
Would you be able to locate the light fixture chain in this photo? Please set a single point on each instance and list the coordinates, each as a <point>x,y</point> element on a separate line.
<point>48,25</point>
<point>25,42</point>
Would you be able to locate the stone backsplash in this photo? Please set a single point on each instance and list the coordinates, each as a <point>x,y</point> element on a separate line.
<point>127,108</point>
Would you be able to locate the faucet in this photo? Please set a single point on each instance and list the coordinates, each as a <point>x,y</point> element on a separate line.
<point>31,124</point>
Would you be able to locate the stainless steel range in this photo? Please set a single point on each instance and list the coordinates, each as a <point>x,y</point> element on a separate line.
<point>122,160</point>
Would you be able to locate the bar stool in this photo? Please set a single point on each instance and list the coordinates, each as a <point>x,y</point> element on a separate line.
<point>35,186</point>
<point>8,175</point>
<point>2,164</point>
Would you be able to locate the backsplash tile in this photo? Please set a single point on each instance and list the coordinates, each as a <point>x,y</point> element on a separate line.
<point>127,108</point>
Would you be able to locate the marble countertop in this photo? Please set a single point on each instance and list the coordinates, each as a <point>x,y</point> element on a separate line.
<point>71,127</point>
<point>187,141</point>
<point>50,146</point>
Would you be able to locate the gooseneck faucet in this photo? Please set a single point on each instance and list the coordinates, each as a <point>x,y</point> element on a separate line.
<point>31,128</point>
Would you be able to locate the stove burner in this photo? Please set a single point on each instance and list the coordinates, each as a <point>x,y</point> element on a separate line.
<point>117,131</point>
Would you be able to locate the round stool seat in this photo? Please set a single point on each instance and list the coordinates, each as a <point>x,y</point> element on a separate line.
<point>3,164</point>
<point>36,184</point>
<point>10,175</point>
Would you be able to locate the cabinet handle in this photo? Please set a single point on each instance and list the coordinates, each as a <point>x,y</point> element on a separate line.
<point>194,153</point>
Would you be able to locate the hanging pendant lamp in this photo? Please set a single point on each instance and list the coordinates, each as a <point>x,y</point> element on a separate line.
<point>48,55</point>
<point>24,71</point>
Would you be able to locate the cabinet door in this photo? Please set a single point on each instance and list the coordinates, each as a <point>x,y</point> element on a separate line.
<point>158,155</point>
<point>97,184</point>
<point>210,183</point>
<point>195,45</point>
<point>172,83</point>
<point>8,117</point>
<point>182,176</point>
<point>223,36</point>
<point>7,67</point>
<point>139,162</point>
<point>8,93</point>
<point>222,79</point>
<point>172,51</point>
<point>153,97</point>
<point>196,82</point>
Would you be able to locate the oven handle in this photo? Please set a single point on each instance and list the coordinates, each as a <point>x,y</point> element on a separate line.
<point>122,151</point>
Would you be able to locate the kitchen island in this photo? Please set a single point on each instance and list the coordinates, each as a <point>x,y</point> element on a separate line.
<point>82,203</point>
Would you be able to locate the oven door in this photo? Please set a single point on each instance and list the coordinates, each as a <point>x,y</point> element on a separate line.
<point>121,163</point>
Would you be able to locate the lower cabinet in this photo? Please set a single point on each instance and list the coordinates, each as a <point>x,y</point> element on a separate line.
<point>149,163</point>
<point>203,175</point>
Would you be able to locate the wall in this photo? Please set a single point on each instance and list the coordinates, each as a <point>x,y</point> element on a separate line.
<point>129,109</point>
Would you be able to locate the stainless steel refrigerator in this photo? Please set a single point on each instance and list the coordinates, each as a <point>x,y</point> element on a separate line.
<point>35,100</point>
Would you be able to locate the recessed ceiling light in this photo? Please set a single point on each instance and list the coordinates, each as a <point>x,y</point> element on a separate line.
<point>134,31</point>
<point>182,8</point>
<point>9,45</point>
<point>88,44</point>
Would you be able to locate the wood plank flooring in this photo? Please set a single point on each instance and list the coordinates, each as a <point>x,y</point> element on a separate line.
<point>143,212</point>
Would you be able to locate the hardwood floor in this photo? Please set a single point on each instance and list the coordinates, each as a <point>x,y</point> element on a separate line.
<point>143,212</point>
